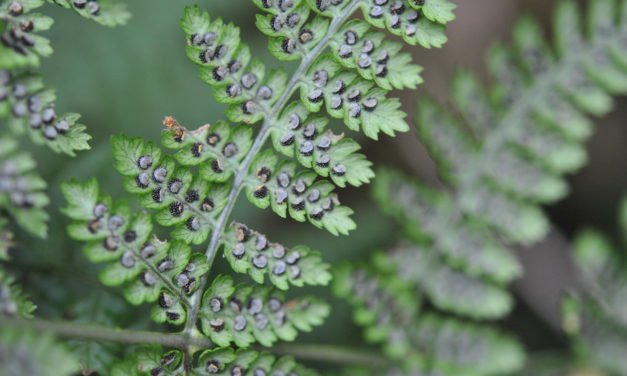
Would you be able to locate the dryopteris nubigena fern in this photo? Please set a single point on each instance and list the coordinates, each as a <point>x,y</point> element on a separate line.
<point>503,151</point>
<point>348,67</point>
<point>594,318</point>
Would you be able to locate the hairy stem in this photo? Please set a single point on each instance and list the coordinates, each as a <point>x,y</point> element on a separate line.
<point>332,354</point>
<point>75,330</point>
<point>260,140</point>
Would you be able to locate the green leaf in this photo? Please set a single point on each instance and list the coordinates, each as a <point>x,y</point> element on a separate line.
<point>436,10</point>
<point>250,252</point>
<point>12,300</point>
<point>105,12</point>
<point>226,361</point>
<point>243,315</point>
<point>25,351</point>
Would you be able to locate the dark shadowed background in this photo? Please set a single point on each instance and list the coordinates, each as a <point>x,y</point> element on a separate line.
<point>125,80</point>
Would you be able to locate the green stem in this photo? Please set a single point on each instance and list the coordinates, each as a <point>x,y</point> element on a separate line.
<point>260,140</point>
<point>80,331</point>
<point>332,354</point>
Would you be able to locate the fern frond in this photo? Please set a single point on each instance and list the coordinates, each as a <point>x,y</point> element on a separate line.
<point>105,12</point>
<point>21,190</point>
<point>20,45</point>
<point>426,212</point>
<point>31,353</point>
<point>386,306</point>
<point>150,269</point>
<point>30,108</point>
<point>446,287</point>
<point>596,322</point>
<point>250,252</point>
<point>509,167</point>
<point>12,300</point>
<point>219,361</point>
<point>244,315</point>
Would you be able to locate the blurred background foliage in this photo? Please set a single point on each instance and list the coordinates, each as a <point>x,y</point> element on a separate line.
<point>127,79</point>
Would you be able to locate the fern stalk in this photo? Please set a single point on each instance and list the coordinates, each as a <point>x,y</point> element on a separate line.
<point>260,140</point>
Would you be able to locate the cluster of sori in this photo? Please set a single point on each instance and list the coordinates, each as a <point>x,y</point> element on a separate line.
<point>91,5</point>
<point>16,35</point>
<point>595,318</point>
<point>32,104</point>
<point>420,343</point>
<point>225,361</point>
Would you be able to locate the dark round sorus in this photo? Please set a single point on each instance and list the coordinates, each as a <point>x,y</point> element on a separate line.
<point>376,11</point>
<point>370,104</point>
<point>316,95</point>
<point>34,104</point>
<point>111,243</point>
<point>254,306</point>
<point>261,242</point>
<point>310,131</point>
<point>115,222</point>
<point>260,261</point>
<point>147,251</point>
<point>213,139</point>
<point>264,92</point>
<point>219,73</point>
<point>283,179</point>
<point>193,223</point>
<point>284,5</point>
<point>219,52</point>
<point>192,195</point>
<point>159,174</point>
<point>298,204</point>
<point>294,122</point>
<point>165,265</point>
<point>279,268</point>
<point>367,47</point>
<point>380,2</point>
<point>381,71</point>
<point>209,37</point>
<point>148,279</point>
<point>94,225</point>
<point>314,195</point>
<point>287,139</point>
<point>261,321</point>
<point>15,8</point>
<point>398,7</point>
<point>278,251</point>
<point>165,300</point>
<point>365,61</point>
<point>338,87</point>
<point>167,359</point>
<point>62,126</point>
<point>157,193</point>
<point>317,214</point>
<point>383,57</point>
<point>299,186</point>
<point>293,257</point>
<point>19,109</point>
<point>350,37</point>
<point>306,148</point>
<point>35,121</point>
<point>50,132</point>
<point>127,260</point>
<point>413,17</point>
<point>217,324</point>
<point>130,236</point>
<point>249,107</point>
<point>320,78</point>
<point>238,251</point>
<point>242,233</point>
<point>230,149</point>
<point>294,272</point>
<point>234,66</point>
<point>293,19</point>
<point>324,143</point>
<point>207,205</point>
<point>176,208</point>
<point>248,80</point>
<point>216,304</point>
<point>274,304</point>
<point>195,40</point>
<point>233,90</point>
<point>216,166</point>
<point>175,185</point>
<point>264,174</point>
<point>276,23</point>
<point>93,7</point>
<point>197,149</point>
<point>323,160</point>
<point>339,170</point>
<point>27,26</point>
<point>345,51</point>
<point>336,102</point>
<point>354,109</point>
<point>395,21</point>
<point>280,196</point>
<point>261,191</point>
<point>288,45</point>
<point>239,323</point>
